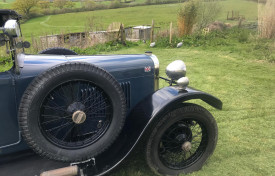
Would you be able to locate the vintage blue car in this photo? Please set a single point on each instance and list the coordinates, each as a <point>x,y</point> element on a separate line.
<point>93,110</point>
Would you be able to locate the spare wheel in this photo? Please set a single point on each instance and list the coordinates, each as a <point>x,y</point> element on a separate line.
<point>72,112</point>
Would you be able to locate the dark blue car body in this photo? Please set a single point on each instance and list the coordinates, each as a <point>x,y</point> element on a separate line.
<point>138,78</point>
<point>127,69</point>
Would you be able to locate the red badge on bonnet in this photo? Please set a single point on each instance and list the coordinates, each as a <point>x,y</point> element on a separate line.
<point>147,69</point>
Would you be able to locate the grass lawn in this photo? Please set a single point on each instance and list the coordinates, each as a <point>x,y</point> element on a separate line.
<point>244,82</point>
<point>246,123</point>
<point>248,9</point>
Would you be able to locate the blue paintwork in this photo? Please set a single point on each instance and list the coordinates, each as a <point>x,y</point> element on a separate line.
<point>138,121</point>
<point>8,125</point>
<point>146,104</point>
<point>123,67</point>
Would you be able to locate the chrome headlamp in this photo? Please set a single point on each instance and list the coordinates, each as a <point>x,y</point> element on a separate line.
<point>176,71</point>
<point>12,28</point>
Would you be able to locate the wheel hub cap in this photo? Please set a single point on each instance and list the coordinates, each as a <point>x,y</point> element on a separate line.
<point>79,117</point>
<point>186,146</point>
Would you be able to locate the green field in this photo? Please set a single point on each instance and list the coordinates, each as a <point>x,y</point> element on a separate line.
<point>141,15</point>
<point>74,22</point>
<point>236,72</point>
<point>77,4</point>
<point>6,5</point>
<point>246,123</point>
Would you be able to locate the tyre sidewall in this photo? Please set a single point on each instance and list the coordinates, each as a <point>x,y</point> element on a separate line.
<point>44,87</point>
<point>196,113</point>
<point>58,51</point>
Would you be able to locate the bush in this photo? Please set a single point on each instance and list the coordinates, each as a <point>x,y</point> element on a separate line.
<point>59,3</point>
<point>148,2</point>
<point>263,49</point>
<point>89,4</point>
<point>44,4</point>
<point>197,13</point>
<point>107,47</point>
<point>69,4</point>
<point>243,37</point>
<point>267,20</point>
<point>115,4</point>
<point>227,37</point>
<point>207,13</point>
<point>187,17</point>
<point>259,1</point>
<point>235,40</point>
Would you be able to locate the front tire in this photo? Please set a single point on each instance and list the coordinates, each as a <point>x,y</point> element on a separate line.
<point>181,140</point>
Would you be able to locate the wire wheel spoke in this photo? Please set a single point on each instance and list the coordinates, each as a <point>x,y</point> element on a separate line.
<point>172,147</point>
<point>58,119</point>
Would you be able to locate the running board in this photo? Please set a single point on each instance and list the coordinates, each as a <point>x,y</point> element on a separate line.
<point>65,171</point>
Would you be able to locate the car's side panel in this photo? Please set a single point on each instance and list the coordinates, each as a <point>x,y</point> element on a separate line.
<point>121,66</point>
<point>140,119</point>
<point>127,69</point>
<point>9,133</point>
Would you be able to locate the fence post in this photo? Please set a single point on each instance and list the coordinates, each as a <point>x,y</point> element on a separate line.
<point>171,25</point>
<point>152,32</point>
<point>47,44</point>
<point>122,34</point>
<point>227,15</point>
<point>240,22</point>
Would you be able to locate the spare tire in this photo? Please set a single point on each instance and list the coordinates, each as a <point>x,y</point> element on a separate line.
<point>72,112</point>
<point>58,51</point>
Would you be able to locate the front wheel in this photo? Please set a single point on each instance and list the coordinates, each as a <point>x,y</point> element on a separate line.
<point>182,140</point>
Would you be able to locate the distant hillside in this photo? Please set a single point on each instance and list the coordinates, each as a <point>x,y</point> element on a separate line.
<point>141,15</point>
<point>6,4</point>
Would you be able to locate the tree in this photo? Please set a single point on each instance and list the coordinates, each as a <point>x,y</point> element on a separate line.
<point>44,4</point>
<point>148,1</point>
<point>60,3</point>
<point>69,4</point>
<point>88,4</point>
<point>24,5</point>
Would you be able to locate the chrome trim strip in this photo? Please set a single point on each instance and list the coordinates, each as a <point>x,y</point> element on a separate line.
<point>156,71</point>
<point>19,140</point>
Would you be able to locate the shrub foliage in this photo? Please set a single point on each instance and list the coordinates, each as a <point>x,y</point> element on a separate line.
<point>187,17</point>
<point>24,6</point>
<point>267,20</point>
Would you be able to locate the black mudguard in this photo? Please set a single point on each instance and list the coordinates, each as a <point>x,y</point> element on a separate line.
<point>139,120</point>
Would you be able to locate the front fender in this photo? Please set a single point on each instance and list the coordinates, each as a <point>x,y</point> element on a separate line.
<point>170,96</point>
<point>139,120</point>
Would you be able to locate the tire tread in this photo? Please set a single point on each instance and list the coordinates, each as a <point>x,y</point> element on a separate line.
<point>38,83</point>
